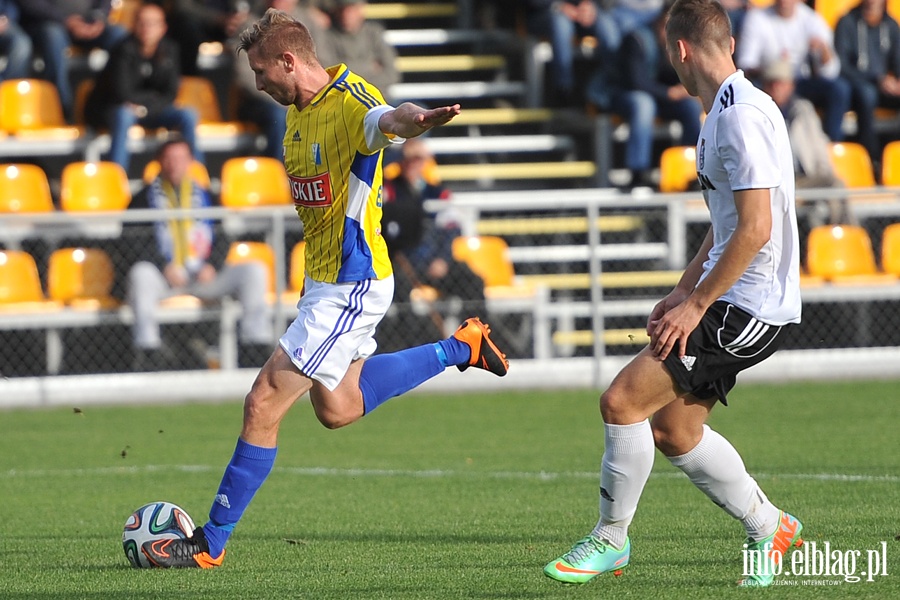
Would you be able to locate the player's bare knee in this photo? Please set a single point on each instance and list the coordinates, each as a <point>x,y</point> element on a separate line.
<point>615,407</point>
<point>257,408</point>
<point>673,441</point>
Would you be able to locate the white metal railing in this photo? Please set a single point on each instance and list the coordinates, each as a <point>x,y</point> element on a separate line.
<point>679,210</point>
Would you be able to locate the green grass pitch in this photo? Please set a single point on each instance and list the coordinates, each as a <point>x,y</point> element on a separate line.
<point>456,496</point>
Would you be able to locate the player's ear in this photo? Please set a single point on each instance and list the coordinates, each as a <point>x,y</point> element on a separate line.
<point>683,50</point>
<point>288,60</point>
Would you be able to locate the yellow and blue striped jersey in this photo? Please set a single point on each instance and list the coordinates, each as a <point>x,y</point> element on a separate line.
<point>332,154</point>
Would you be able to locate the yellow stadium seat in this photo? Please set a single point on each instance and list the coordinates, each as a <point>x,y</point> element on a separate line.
<point>296,275</point>
<point>81,278</point>
<point>890,249</point>
<point>20,284</point>
<point>852,164</point>
<point>843,254</point>
<point>833,10</point>
<point>487,256</point>
<point>893,8</point>
<point>31,108</point>
<point>298,266</point>
<point>677,168</point>
<point>24,188</point>
<point>199,93</point>
<point>429,171</point>
<point>890,164</point>
<point>197,171</point>
<point>94,186</point>
<point>244,252</point>
<point>254,181</point>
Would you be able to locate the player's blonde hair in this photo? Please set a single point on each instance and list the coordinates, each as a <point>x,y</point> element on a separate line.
<point>278,32</point>
<point>703,24</point>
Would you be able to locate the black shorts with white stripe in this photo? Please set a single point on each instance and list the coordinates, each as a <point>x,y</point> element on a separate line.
<point>727,341</point>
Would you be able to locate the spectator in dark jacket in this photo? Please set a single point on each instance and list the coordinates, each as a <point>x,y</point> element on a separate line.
<point>561,22</point>
<point>867,41</point>
<point>139,85</point>
<point>15,45</point>
<point>644,87</point>
<point>55,25</point>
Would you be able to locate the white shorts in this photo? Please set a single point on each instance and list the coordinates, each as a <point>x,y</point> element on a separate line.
<point>335,325</point>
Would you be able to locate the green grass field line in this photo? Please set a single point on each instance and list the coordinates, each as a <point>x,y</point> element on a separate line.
<point>434,473</point>
<point>441,497</point>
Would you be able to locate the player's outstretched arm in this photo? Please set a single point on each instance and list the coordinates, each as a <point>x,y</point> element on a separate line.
<point>410,120</point>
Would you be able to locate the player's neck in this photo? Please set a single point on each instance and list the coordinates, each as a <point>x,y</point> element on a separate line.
<point>309,86</point>
<point>709,84</point>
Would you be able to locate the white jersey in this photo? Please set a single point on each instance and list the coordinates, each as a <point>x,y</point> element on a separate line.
<point>744,145</point>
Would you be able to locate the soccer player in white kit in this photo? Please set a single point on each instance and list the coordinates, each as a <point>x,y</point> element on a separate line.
<point>728,312</point>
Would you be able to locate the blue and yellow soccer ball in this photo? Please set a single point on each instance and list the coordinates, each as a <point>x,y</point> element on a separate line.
<point>151,522</point>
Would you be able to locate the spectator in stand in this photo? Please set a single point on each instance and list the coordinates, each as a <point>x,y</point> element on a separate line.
<point>621,17</point>
<point>15,45</point>
<point>194,22</point>
<point>258,107</point>
<point>55,25</point>
<point>181,259</point>
<point>867,40</point>
<point>359,44</point>
<point>138,87</point>
<point>560,23</point>
<point>646,86</point>
<point>421,244</point>
<point>790,29</point>
<point>812,165</point>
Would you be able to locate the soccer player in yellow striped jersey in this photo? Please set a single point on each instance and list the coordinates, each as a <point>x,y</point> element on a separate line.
<point>333,163</point>
<point>338,125</point>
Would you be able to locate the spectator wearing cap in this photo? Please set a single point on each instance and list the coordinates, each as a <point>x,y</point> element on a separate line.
<point>789,29</point>
<point>359,44</point>
<point>812,164</point>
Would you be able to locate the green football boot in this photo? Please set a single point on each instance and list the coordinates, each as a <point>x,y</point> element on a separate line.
<point>588,558</point>
<point>768,553</point>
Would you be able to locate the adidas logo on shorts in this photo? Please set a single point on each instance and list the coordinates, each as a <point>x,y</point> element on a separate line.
<point>688,362</point>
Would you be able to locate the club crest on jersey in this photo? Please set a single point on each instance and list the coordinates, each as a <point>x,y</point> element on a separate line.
<point>315,153</point>
<point>311,192</point>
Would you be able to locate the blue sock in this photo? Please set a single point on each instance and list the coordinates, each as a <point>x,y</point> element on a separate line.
<point>249,467</point>
<point>387,375</point>
<point>454,352</point>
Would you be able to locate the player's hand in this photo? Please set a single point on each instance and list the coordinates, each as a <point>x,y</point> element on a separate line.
<point>673,299</point>
<point>409,120</point>
<point>437,116</point>
<point>176,275</point>
<point>673,328</point>
<point>206,274</point>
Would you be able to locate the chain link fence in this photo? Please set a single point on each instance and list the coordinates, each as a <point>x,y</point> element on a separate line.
<point>556,274</point>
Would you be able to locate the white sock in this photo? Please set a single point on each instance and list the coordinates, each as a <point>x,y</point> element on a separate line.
<point>716,468</point>
<point>627,460</point>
